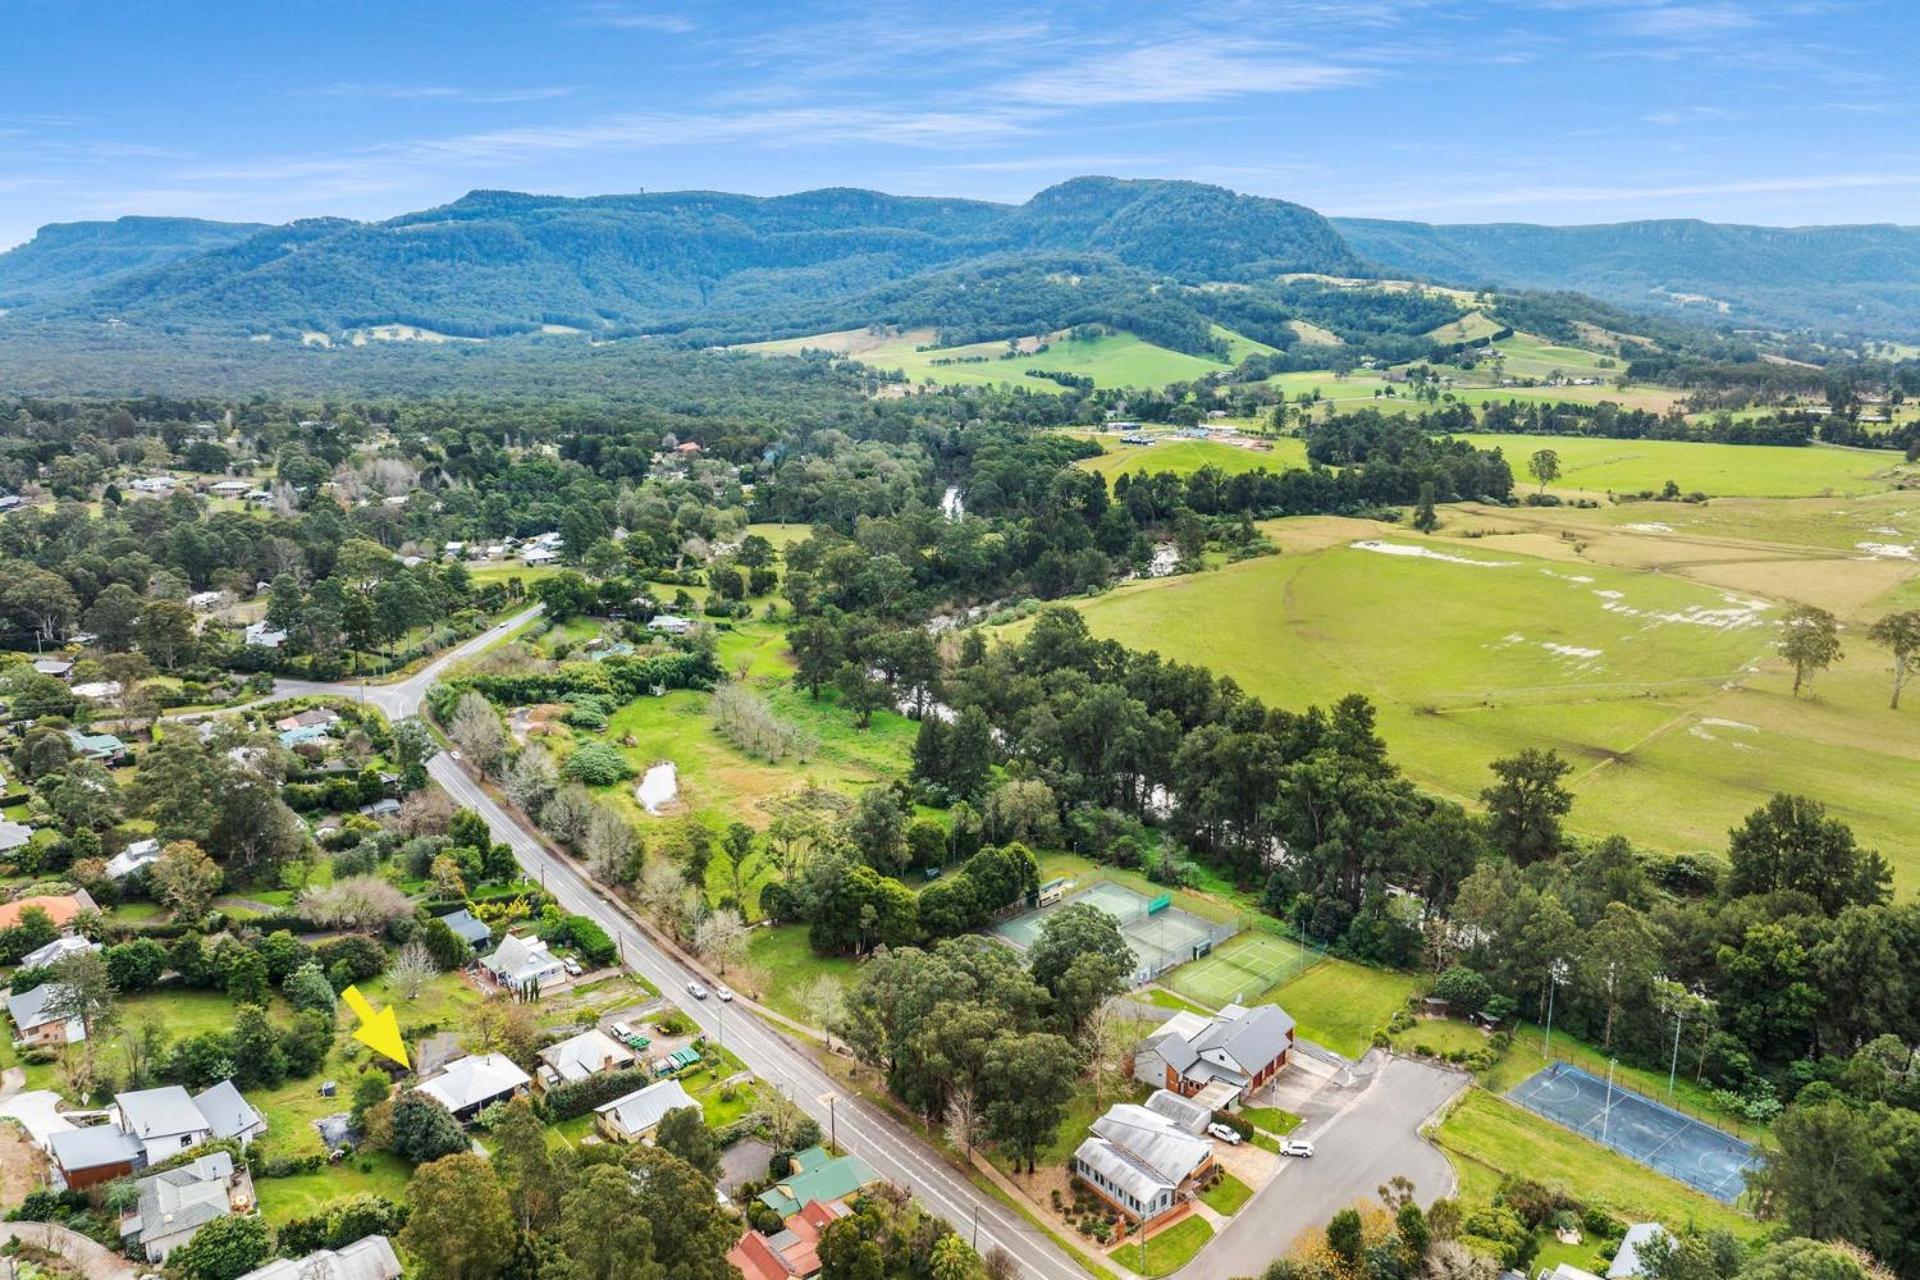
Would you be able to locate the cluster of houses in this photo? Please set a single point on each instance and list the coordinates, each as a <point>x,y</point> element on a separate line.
<point>161,485</point>
<point>814,1193</point>
<point>541,548</point>
<point>38,1016</point>
<point>1147,1160</point>
<point>150,1127</point>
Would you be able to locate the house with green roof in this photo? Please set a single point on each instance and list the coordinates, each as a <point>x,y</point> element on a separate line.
<point>817,1176</point>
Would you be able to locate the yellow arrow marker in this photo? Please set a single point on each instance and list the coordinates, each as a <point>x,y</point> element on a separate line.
<point>380,1032</point>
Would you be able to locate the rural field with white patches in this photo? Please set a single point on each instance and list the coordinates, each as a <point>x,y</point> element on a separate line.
<point>1638,641</point>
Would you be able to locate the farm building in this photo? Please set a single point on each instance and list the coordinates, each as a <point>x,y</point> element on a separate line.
<point>1238,1048</point>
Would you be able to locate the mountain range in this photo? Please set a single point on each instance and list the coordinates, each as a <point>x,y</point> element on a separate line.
<point>709,266</point>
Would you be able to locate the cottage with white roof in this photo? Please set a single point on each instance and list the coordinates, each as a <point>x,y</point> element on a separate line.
<point>521,962</point>
<point>139,854</point>
<point>635,1117</point>
<point>468,1086</point>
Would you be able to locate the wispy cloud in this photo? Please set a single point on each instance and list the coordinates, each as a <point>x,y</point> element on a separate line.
<point>1191,70</point>
<point>634,17</point>
<point>1673,117</point>
<point>435,93</point>
<point>1686,21</point>
<point>1574,195</point>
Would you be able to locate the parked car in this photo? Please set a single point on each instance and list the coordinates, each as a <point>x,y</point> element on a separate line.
<point>1297,1147</point>
<point>697,991</point>
<point>1225,1134</point>
<point>621,1032</point>
<point>726,996</point>
<point>572,966</point>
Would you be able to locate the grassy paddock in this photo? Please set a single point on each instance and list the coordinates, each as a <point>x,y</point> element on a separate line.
<point>782,968</point>
<point>1720,470</point>
<point>1184,457</point>
<point>1662,688</point>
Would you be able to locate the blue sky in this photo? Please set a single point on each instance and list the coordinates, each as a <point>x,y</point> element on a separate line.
<point>1768,111</point>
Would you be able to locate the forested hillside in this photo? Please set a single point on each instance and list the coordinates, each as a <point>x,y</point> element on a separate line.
<point>1853,278</point>
<point>498,262</point>
<point>66,258</point>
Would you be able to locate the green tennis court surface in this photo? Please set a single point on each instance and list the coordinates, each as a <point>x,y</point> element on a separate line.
<point>1241,969</point>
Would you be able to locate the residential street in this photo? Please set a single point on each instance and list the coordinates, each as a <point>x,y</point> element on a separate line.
<point>1366,1133</point>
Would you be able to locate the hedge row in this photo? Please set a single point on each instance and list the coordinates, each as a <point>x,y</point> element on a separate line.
<point>565,1101</point>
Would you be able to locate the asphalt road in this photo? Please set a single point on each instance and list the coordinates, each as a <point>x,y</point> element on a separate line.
<point>1370,1136</point>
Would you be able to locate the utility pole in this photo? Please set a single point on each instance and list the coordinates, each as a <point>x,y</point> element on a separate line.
<point>1606,1116</point>
<point>833,1121</point>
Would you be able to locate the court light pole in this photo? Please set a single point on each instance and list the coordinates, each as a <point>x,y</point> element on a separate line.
<point>1556,974</point>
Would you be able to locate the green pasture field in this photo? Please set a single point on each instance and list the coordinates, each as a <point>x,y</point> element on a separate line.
<point>1663,692</point>
<point>1117,359</point>
<point>1470,327</point>
<point>1754,471</point>
<point>1525,356</point>
<point>1184,457</point>
<point>1239,346</point>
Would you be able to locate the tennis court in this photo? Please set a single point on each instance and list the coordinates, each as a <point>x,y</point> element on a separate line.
<point>1639,1128</point>
<point>1160,934</point>
<point>1241,969</point>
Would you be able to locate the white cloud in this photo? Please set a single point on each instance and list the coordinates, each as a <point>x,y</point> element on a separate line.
<point>630,17</point>
<point>1192,70</point>
<point>1686,21</point>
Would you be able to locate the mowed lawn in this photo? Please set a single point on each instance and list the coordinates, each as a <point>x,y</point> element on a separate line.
<point>1718,470</point>
<point>1664,693</point>
<point>1184,457</point>
<point>1339,1004</point>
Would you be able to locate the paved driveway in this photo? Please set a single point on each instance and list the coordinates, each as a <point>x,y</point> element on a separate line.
<point>1363,1135</point>
<point>36,1112</point>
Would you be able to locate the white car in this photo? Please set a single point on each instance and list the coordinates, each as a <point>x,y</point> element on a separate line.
<point>726,996</point>
<point>1225,1134</point>
<point>572,966</point>
<point>1297,1147</point>
<point>697,991</point>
